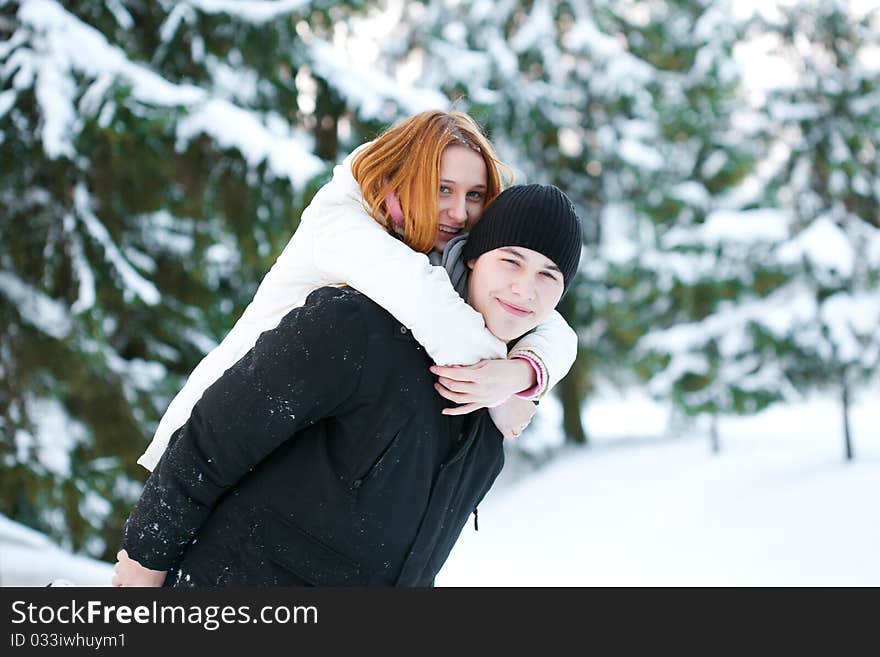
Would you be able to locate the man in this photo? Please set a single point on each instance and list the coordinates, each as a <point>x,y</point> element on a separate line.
<point>322,457</point>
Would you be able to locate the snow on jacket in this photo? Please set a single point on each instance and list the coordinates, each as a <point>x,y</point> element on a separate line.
<point>338,242</point>
<point>316,461</point>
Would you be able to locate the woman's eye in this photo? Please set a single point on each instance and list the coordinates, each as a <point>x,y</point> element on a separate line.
<point>475,196</point>
<point>444,189</point>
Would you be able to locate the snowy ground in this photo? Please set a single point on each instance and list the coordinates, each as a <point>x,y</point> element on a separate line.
<point>29,558</point>
<point>778,506</point>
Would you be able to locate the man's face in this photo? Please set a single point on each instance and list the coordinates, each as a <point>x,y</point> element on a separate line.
<point>514,288</point>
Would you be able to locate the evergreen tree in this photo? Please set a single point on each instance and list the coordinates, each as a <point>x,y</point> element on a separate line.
<point>794,305</point>
<point>828,122</point>
<point>696,259</point>
<point>154,159</point>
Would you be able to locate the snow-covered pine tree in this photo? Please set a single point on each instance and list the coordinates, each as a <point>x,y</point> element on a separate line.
<point>678,270</point>
<point>154,159</point>
<point>828,125</point>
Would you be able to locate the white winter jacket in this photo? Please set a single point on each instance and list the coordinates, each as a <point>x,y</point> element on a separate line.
<point>338,242</point>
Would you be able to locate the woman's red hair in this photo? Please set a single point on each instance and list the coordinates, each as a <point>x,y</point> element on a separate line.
<point>405,159</point>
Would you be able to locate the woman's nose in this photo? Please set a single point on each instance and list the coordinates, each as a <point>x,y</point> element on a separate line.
<point>457,209</point>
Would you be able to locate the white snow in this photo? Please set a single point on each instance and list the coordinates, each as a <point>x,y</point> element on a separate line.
<point>253,11</point>
<point>533,32</point>
<point>617,244</point>
<point>364,86</point>
<point>287,152</point>
<point>67,47</point>
<point>638,153</point>
<point>55,91</point>
<point>36,307</point>
<point>94,508</point>
<point>851,317</point>
<point>29,558</point>
<point>55,436</point>
<point>824,244</point>
<point>120,13</point>
<point>87,295</point>
<point>7,100</point>
<point>743,226</point>
<point>777,507</point>
<point>748,225</point>
<point>785,309</point>
<point>133,283</point>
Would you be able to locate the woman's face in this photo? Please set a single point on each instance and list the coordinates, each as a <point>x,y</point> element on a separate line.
<point>514,288</point>
<point>463,179</point>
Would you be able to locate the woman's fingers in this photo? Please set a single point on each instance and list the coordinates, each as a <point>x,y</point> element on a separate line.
<point>465,406</point>
<point>457,397</point>
<point>455,386</point>
<point>461,410</point>
<point>457,373</point>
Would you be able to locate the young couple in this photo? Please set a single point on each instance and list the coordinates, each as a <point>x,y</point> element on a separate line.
<point>312,446</point>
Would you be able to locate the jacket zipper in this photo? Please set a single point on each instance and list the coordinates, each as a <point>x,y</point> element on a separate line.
<point>375,467</point>
<point>476,526</point>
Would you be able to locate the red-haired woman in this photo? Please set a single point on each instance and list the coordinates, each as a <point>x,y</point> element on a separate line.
<point>391,202</point>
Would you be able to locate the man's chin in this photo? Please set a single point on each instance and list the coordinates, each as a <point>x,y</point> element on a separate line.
<point>509,332</point>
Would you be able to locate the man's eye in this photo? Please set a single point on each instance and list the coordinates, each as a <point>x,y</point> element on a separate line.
<point>510,260</point>
<point>549,275</point>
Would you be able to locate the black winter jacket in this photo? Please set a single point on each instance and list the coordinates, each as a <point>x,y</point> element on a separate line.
<point>320,458</point>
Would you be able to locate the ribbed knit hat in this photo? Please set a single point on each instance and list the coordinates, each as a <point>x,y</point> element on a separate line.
<point>537,217</point>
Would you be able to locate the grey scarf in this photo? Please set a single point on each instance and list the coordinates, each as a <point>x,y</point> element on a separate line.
<point>455,265</point>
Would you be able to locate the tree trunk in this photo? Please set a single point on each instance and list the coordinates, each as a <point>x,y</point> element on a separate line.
<point>572,390</point>
<point>847,438</point>
<point>714,437</point>
<point>328,109</point>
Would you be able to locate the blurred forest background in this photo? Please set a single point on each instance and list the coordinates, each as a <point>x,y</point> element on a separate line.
<point>155,158</point>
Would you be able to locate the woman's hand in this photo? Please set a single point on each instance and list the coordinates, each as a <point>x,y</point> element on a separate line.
<point>513,416</point>
<point>485,384</point>
<point>129,573</point>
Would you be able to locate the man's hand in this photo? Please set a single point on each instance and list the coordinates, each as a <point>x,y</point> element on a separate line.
<point>513,416</point>
<point>129,573</point>
<point>485,384</point>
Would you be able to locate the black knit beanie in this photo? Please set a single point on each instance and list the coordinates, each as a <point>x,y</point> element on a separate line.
<point>537,217</point>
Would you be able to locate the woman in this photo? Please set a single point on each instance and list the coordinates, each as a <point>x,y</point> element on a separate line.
<point>321,457</point>
<point>393,200</point>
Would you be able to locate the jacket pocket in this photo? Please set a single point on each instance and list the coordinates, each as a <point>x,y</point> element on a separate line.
<point>294,549</point>
<point>377,464</point>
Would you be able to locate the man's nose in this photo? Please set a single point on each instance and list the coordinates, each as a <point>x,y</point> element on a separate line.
<point>523,286</point>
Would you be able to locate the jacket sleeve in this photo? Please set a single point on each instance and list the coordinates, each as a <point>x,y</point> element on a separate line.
<point>554,344</point>
<point>293,377</point>
<point>285,287</point>
<point>350,246</point>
